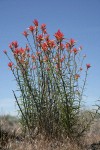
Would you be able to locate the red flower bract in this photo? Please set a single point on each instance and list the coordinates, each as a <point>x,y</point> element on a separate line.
<point>44,46</point>
<point>10,64</point>
<point>39,38</point>
<point>43,27</point>
<point>22,50</point>
<point>10,46</point>
<point>15,44</point>
<point>35,22</point>
<point>25,33</point>
<point>72,42</point>
<point>59,35</point>
<point>31,28</point>
<point>67,45</point>
<point>19,51</point>
<point>16,51</point>
<point>75,51</point>
<point>51,43</point>
<point>88,66</point>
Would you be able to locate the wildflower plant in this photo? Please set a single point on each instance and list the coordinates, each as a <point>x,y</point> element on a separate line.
<point>48,73</point>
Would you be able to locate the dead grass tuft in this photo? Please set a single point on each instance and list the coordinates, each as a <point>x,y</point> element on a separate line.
<point>14,140</point>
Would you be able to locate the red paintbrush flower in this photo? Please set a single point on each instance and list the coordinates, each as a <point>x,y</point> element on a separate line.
<point>16,51</point>
<point>21,50</point>
<point>88,66</point>
<point>10,64</point>
<point>39,38</point>
<point>36,22</point>
<point>72,42</point>
<point>10,46</point>
<point>51,43</point>
<point>15,44</point>
<point>75,51</point>
<point>44,46</point>
<point>43,27</point>
<point>25,33</point>
<point>59,35</point>
<point>31,28</point>
<point>67,46</point>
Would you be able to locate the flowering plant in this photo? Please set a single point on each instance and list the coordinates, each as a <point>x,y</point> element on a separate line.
<point>48,76</point>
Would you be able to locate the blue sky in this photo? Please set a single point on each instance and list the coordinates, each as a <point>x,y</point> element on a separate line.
<point>77,19</point>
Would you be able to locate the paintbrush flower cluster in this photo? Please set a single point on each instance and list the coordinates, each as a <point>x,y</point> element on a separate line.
<point>48,73</point>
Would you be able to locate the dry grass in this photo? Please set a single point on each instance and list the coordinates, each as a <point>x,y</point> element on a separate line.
<point>41,143</point>
<point>12,127</point>
<point>93,136</point>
